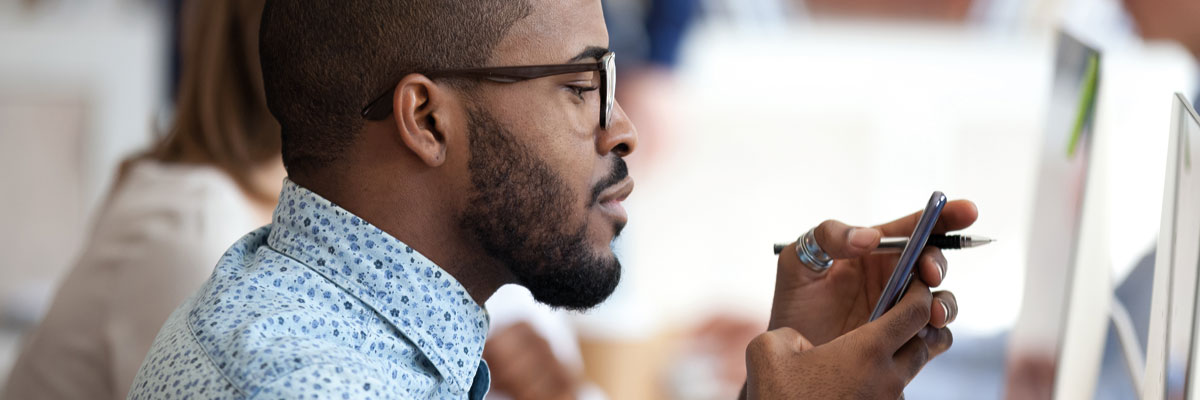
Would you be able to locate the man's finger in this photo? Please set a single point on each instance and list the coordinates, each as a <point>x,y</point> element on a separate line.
<point>844,241</point>
<point>944,309</point>
<point>956,215</point>
<point>910,359</point>
<point>932,266</point>
<point>938,340</point>
<point>901,323</point>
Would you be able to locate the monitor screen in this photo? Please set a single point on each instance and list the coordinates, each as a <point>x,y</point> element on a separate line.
<point>1171,365</point>
<point>1185,249</point>
<point>1054,230</point>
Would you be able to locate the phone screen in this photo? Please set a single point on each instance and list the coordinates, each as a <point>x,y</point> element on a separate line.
<point>903,272</point>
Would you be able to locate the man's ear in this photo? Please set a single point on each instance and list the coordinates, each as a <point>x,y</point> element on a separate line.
<point>422,110</point>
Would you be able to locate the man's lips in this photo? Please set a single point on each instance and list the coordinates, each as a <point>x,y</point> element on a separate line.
<point>617,192</point>
<point>610,199</point>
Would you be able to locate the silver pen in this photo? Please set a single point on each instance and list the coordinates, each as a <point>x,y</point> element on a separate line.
<point>945,242</point>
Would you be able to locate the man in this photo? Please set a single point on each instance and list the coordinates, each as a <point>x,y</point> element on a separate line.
<point>439,149</point>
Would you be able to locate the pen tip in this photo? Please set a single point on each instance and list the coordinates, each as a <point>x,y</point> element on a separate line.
<point>981,240</point>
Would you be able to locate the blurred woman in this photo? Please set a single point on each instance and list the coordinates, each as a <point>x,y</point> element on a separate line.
<point>172,213</point>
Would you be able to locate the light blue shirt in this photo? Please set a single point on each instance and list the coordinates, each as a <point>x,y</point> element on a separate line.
<point>320,304</point>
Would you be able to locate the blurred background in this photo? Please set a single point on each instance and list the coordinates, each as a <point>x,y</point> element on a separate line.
<point>758,119</point>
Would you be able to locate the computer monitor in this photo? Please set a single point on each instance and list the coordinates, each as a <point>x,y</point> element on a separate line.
<point>1171,370</point>
<point>1062,174</point>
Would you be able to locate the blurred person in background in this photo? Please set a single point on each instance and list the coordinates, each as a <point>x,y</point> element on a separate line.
<point>1173,20</point>
<point>173,211</point>
<point>928,10</point>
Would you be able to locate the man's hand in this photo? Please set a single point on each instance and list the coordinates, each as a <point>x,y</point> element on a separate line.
<point>524,367</point>
<point>823,306</point>
<point>875,361</point>
<point>820,343</point>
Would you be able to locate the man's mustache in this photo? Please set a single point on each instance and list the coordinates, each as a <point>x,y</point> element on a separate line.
<point>620,171</point>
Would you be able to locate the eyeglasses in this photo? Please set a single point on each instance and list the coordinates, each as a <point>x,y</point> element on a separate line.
<point>606,68</point>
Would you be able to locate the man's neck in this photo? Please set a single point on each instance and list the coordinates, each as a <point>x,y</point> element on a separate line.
<point>424,223</point>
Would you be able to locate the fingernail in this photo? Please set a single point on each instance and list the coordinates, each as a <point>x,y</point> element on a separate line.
<point>862,237</point>
<point>924,332</point>
<point>945,310</point>
<point>941,269</point>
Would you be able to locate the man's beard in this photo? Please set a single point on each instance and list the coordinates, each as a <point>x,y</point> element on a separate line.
<point>519,210</point>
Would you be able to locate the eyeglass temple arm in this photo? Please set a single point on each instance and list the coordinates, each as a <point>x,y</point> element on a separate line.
<point>516,74</point>
<point>378,109</point>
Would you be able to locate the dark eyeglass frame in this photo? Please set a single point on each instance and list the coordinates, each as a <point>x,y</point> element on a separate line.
<point>381,107</point>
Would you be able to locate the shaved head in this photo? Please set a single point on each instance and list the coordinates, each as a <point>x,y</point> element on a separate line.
<point>495,181</point>
<point>324,60</point>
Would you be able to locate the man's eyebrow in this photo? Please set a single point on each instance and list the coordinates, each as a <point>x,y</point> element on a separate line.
<point>591,52</point>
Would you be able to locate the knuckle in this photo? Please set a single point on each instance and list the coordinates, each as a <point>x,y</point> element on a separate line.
<point>908,315</point>
<point>828,225</point>
<point>770,347</point>
<point>922,312</point>
<point>919,311</point>
<point>767,342</point>
<point>759,343</point>
<point>871,352</point>
<point>757,351</point>
<point>825,232</point>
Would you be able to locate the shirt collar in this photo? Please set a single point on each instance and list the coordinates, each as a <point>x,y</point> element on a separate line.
<point>410,292</point>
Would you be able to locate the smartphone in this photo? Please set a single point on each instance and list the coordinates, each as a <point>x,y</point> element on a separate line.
<point>905,267</point>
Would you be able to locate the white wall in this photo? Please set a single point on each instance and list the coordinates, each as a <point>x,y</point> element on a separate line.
<point>78,91</point>
<point>860,122</point>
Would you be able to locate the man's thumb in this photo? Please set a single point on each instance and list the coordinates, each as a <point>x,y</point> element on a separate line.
<point>842,241</point>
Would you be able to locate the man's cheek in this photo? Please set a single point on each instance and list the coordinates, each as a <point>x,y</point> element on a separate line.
<point>580,183</point>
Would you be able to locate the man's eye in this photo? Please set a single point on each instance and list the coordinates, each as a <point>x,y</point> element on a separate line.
<point>580,90</point>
